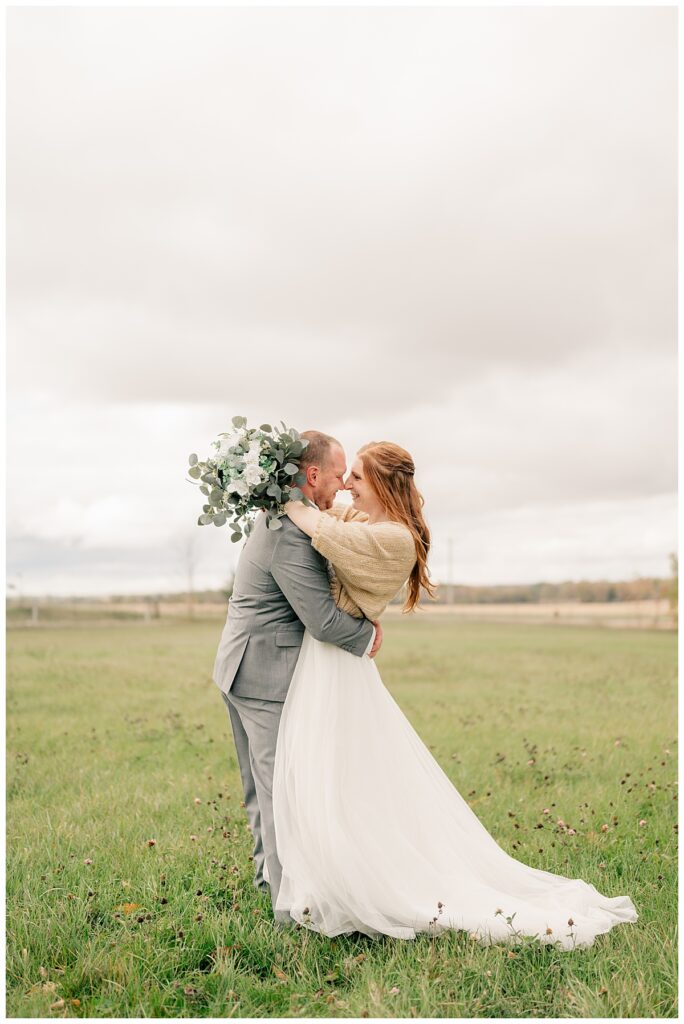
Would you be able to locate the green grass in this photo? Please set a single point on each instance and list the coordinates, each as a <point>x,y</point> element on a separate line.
<point>117,735</point>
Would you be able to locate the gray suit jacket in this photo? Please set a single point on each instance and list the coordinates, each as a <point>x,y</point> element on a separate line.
<point>281,587</point>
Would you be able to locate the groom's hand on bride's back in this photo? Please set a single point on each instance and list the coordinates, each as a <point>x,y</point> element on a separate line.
<point>377,643</point>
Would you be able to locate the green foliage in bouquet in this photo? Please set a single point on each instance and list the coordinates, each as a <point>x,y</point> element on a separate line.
<point>253,469</point>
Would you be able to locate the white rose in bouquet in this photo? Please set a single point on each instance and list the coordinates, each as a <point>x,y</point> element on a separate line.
<point>253,474</point>
<point>238,486</point>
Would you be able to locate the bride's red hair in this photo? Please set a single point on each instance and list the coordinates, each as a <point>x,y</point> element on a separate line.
<point>389,469</point>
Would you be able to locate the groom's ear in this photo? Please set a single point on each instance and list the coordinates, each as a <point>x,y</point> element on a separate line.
<point>312,475</point>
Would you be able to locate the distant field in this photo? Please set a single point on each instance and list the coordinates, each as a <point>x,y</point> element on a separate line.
<point>649,614</point>
<point>116,735</point>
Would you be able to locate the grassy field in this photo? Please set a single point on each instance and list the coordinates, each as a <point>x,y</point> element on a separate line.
<point>117,737</point>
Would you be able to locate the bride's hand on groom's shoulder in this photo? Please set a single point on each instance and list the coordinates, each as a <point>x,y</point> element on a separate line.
<point>293,509</point>
<point>303,516</point>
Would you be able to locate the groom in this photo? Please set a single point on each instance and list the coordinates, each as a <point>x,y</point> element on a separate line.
<point>281,588</point>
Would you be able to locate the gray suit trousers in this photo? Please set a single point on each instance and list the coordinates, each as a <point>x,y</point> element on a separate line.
<point>255,724</point>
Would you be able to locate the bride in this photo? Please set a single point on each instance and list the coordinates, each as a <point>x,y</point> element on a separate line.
<point>371,834</point>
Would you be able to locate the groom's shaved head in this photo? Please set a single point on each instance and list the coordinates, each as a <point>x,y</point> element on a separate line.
<point>318,450</point>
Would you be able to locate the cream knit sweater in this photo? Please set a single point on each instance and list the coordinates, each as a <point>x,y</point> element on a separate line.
<point>371,562</point>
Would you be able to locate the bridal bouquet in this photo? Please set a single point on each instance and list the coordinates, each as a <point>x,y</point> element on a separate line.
<point>252,469</point>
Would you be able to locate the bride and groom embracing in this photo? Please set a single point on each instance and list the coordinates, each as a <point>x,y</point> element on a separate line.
<point>356,827</point>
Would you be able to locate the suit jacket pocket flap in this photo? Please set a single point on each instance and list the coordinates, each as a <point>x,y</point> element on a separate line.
<point>289,637</point>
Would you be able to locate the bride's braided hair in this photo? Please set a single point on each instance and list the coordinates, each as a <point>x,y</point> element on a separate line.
<point>390,470</point>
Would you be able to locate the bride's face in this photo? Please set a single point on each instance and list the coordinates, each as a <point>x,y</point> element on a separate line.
<point>364,497</point>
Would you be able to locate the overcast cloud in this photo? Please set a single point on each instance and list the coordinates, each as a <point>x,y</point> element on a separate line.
<point>454,228</point>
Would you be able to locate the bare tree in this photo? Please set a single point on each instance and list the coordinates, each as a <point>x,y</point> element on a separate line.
<point>227,588</point>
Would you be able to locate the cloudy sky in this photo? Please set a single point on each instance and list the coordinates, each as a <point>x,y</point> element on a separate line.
<point>453,228</point>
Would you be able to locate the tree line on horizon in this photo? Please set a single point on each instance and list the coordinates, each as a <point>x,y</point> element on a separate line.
<point>587,591</point>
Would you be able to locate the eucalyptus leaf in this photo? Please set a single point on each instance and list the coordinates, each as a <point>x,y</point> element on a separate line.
<point>266,427</point>
<point>204,489</point>
<point>290,469</point>
<point>219,519</point>
<point>274,524</point>
<point>205,519</point>
<point>193,460</point>
<point>194,472</point>
<point>216,496</point>
<point>239,421</point>
<point>235,537</point>
<point>274,491</point>
<point>296,494</point>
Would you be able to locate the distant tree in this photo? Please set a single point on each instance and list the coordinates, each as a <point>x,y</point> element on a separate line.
<point>187,551</point>
<point>227,589</point>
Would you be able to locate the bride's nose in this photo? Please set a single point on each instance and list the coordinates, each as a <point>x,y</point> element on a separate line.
<point>347,483</point>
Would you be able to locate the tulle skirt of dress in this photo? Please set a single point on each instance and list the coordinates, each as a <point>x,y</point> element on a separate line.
<point>373,837</point>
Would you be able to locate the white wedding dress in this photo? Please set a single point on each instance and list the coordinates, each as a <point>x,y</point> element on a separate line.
<point>373,837</point>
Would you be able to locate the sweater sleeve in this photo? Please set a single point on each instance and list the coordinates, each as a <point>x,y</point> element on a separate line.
<point>377,559</point>
<point>346,513</point>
